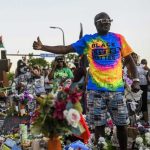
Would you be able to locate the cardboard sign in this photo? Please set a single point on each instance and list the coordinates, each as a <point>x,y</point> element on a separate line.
<point>11,123</point>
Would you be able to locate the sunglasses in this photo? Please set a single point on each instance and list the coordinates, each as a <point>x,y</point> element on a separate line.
<point>105,20</point>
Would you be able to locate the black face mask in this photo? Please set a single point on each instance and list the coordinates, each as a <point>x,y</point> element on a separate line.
<point>23,69</point>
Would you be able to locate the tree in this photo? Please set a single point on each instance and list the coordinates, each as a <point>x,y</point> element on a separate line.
<point>71,57</point>
<point>41,62</point>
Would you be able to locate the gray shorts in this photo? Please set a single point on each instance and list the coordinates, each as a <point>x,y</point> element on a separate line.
<point>100,103</point>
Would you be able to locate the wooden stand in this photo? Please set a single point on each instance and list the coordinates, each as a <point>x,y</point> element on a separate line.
<point>4,68</point>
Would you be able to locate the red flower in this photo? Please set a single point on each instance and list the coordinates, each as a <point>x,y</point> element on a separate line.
<point>66,89</point>
<point>60,106</point>
<point>75,97</point>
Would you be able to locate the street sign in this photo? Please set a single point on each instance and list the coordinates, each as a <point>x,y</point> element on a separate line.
<point>43,55</point>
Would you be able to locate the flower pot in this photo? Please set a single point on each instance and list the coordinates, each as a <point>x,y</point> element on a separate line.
<point>54,144</point>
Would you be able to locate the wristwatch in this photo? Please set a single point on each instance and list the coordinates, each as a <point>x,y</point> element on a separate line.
<point>136,79</point>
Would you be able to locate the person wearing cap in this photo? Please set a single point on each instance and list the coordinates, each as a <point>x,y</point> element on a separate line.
<point>60,71</point>
<point>105,87</point>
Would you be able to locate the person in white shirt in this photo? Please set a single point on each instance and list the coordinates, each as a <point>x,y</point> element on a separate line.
<point>142,69</point>
<point>47,82</point>
<point>38,80</point>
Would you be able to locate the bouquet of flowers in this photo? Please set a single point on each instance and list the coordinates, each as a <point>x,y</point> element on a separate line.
<point>59,112</point>
<point>142,141</point>
<point>103,143</point>
<point>26,97</point>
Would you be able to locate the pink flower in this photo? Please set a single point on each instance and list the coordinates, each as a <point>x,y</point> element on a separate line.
<point>72,116</point>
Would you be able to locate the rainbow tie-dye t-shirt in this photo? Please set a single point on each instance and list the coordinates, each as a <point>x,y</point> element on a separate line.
<point>105,55</point>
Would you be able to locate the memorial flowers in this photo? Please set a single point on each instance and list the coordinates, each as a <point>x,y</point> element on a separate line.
<point>59,113</point>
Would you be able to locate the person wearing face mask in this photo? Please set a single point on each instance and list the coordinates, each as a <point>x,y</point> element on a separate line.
<point>20,76</point>
<point>20,68</point>
<point>105,88</point>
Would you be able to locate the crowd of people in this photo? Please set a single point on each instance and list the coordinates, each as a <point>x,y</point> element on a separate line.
<point>42,78</point>
<point>110,58</point>
<point>144,74</point>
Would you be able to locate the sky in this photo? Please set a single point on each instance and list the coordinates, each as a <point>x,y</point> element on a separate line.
<point>21,21</point>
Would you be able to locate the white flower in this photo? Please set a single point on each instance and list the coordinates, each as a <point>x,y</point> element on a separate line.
<point>147,140</point>
<point>72,116</point>
<point>107,131</point>
<point>139,141</point>
<point>101,140</point>
<point>141,148</point>
<point>147,135</point>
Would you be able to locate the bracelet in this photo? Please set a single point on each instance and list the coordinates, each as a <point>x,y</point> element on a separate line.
<point>136,79</point>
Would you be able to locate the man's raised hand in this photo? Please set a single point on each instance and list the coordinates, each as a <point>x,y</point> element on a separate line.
<point>37,45</point>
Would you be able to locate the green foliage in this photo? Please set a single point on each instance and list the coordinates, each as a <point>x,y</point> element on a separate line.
<point>30,56</point>
<point>37,61</point>
<point>71,57</point>
<point>110,146</point>
<point>10,76</point>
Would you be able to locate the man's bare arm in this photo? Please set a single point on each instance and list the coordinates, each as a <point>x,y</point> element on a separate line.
<point>37,45</point>
<point>130,64</point>
<point>58,49</point>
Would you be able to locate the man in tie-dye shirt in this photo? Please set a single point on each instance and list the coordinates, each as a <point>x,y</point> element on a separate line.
<point>105,88</point>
